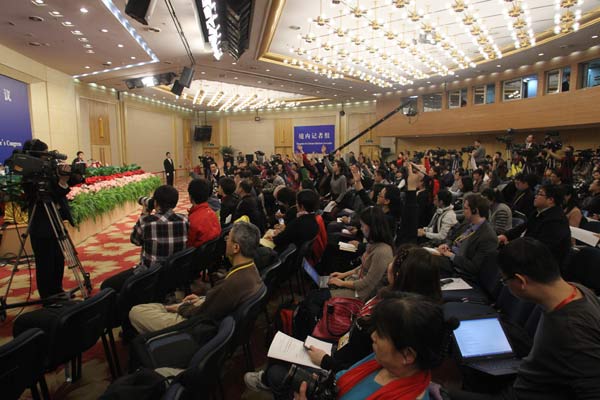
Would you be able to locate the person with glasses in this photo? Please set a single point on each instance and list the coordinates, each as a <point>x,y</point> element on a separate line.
<point>241,282</point>
<point>564,361</point>
<point>547,223</point>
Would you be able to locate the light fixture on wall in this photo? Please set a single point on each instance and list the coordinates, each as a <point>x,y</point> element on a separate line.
<point>256,117</point>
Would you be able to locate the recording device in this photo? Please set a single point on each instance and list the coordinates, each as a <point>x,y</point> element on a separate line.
<point>467,149</point>
<point>38,168</point>
<point>146,202</point>
<point>321,387</point>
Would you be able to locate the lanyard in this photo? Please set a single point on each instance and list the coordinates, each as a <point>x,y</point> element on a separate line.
<point>233,271</point>
<point>567,300</point>
<point>463,237</point>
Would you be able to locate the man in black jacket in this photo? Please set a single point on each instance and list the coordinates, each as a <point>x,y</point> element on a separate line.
<point>229,200</point>
<point>169,169</point>
<point>472,245</point>
<point>248,205</point>
<point>304,227</point>
<point>547,224</point>
<point>523,199</point>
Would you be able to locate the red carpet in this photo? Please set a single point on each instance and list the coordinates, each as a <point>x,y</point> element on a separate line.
<point>103,255</point>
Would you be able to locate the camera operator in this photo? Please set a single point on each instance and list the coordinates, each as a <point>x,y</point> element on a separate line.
<point>567,162</point>
<point>49,259</point>
<point>160,234</point>
<point>478,153</point>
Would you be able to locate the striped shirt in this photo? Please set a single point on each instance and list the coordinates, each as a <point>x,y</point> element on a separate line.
<point>160,235</point>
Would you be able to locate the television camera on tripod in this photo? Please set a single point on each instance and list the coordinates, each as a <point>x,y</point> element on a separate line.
<point>43,180</point>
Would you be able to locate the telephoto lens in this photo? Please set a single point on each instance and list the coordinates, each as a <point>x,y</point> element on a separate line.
<point>146,202</point>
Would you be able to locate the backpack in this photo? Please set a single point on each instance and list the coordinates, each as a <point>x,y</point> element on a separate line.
<point>284,317</point>
<point>144,384</point>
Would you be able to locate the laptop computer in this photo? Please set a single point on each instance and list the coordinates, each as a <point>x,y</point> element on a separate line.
<point>321,281</point>
<point>483,345</point>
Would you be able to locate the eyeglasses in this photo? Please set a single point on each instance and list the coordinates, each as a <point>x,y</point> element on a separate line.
<point>505,281</point>
<point>540,194</point>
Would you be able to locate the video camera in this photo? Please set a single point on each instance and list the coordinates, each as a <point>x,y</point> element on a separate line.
<point>467,149</point>
<point>321,387</point>
<point>37,166</point>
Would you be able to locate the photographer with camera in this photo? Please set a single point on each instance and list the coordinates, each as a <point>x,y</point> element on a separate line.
<point>160,234</point>
<point>49,259</point>
<point>411,337</point>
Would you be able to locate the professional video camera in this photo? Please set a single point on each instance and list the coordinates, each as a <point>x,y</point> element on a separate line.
<point>146,202</point>
<point>587,154</point>
<point>467,149</point>
<point>38,167</point>
<point>551,144</point>
<point>418,156</point>
<point>321,387</point>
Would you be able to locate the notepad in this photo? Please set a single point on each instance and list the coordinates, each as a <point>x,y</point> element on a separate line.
<point>347,247</point>
<point>287,348</point>
<point>584,236</point>
<point>457,284</point>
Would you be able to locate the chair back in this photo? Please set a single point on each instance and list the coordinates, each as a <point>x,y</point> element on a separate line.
<point>206,364</point>
<point>20,363</point>
<point>285,255</point>
<point>517,221</point>
<point>269,274</point>
<point>489,277</point>
<point>138,289</point>
<point>78,328</point>
<point>170,273</point>
<point>584,267</point>
<point>202,259</point>
<point>515,310</point>
<point>245,316</point>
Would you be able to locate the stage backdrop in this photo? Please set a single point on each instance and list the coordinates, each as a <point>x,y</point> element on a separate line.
<point>15,125</point>
<point>312,138</point>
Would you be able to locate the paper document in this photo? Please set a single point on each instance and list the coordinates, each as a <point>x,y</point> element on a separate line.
<point>228,219</point>
<point>329,206</point>
<point>432,251</point>
<point>457,284</point>
<point>584,236</point>
<point>347,247</point>
<point>287,348</point>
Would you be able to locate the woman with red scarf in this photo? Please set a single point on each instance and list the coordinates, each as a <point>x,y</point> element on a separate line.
<point>410,338</point>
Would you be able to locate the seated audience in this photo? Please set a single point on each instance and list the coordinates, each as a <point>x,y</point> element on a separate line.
<point>478,183</point>
<point>472,244</point>
<point>229,200</point>
<point>571,206</point>
<point>160,234</point>
<point>204,224</point>
<point>240,283</point>
<point>564,362</point>
<point>248,205</point>
<point>443,219</point>
<point>591,204</point>
<point>365,280</point>
<point>304,227</point>
<point>500,213</point>
<point>523,199</point>
<point>286,200</point>
<point>547,224</point>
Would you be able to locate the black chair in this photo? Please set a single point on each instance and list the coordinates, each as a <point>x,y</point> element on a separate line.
<point>592,226</point>
<point>72,329</point>
<point>485,290</point>
<point>584,267</point>
<point>305,251</point>
<point>270,276</point>
<point>517,221</point>
<point>21,366</point>
<point>170,276</point>
<point>245,316</point>
<point>204,371</point>
<point>203,261</point>
<point>288,260</point>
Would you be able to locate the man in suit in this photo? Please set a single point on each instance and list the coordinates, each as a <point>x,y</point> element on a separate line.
<point>547,223</point>
<point>229,200</point>
<point>469,247</point>
<point>169,169</point>
<point>248,205</point>
<point>523,199</point>
<point>304,227</point>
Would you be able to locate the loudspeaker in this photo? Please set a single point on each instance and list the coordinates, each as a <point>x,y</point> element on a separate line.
<point>140,10</point>
<point>177,88</point>
<point>186,76</point>
<point>385,151</point>
<point>202,133</point>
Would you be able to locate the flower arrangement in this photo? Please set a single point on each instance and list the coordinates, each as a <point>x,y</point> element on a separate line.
<point>105,188</point>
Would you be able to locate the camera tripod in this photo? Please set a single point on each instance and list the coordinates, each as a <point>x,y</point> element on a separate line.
<point>67,248</point>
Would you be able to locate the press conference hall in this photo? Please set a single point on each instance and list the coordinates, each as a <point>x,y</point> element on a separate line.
<point>307,200</point>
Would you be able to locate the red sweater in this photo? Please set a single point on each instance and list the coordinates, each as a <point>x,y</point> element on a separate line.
<point>204,225</point>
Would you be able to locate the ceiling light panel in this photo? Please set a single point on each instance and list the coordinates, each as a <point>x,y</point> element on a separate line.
<point>391,43</point>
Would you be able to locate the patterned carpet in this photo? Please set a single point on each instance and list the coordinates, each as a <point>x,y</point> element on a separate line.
<point>103,255</point>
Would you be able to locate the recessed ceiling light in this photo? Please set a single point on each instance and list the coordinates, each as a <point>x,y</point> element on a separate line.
<point>104,30</point>
<point>498,66</point>
<point>90,51</point>
<point>595,37</point>
<point>332,83</point>
<point>258,81</point>
<point>67,23</point>
<point>38,2</point>
<point>428,81</point>
<point>349,87</point>
<point>132,57</point>
<point>203,73</point>
<point>335,95</point>
<point>267,70</point>
<point>301,89</point>
<point>87,67</point>
<point>318,91</point>
<point>77,33</point>
<point>120,45</point>
<point>83,10</point>
<point>290,74</point>
<point>235,77</point>
<point>56,14</point>
<point>316,80</point>
<point>364,90</point>
<point>108,62</point>
<point>234,63</point>
<point>280,85</point>
<point>540,54</point>
<point>88,46</point>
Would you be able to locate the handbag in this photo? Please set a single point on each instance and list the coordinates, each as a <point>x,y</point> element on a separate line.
<point>337,318</point>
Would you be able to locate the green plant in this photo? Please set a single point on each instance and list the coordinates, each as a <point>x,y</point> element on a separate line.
<point>226,150</point>
<point>110,170</point>
<point>91,205</point>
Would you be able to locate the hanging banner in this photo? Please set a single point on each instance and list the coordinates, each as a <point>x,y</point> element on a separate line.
<point>312,138</point>
<point>15,128</point>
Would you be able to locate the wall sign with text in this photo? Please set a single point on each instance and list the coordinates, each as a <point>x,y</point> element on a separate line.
<point>312,138</point>
<point>15,127</point>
